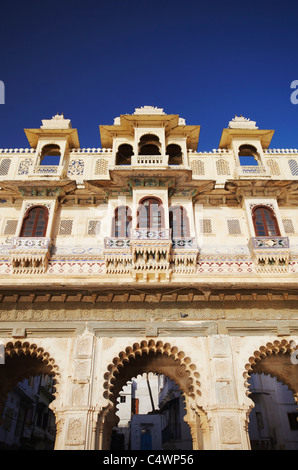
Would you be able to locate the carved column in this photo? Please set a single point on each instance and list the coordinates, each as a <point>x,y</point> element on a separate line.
<point>198,425</point>
<point>75,420</point>
<point>227,417</point>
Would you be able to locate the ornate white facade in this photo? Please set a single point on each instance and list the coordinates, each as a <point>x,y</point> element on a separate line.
<point>146,255</point>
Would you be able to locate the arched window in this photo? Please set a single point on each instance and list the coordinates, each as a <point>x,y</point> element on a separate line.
<point>35,222</point>
<point>179,223</point>
<point>121,223</point>
<point>50,155</point>
<point>150,214</point>
<point>248,155</point>
<point>265,222</point>
<point>149,145</point>
<point>124,154</point>
<point>175,154</point>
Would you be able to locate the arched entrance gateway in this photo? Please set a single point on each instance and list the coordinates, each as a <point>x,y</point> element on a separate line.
<point>151,357</point>
<point>28,375</point>
<point>208,371</point>
<point>272,377</point>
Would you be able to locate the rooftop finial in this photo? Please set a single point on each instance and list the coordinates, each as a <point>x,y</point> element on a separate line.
<point>57,122</point>
<point>240,122</point>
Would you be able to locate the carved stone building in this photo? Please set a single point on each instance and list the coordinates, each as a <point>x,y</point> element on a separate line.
<point>146,255</point>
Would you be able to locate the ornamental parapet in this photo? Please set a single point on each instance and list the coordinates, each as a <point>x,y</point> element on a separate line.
<point>30,255</point>
<point>270,254</point>
<point>96,163</point>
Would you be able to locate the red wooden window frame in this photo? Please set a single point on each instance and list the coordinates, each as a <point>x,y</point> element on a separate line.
<point>148,210</point>
<point>35,222</point>
<point>265,222</point>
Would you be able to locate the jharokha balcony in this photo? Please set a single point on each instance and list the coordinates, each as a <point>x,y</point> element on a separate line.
<point>150,254</point>
<point>270,253</point>
<point>30,255</point>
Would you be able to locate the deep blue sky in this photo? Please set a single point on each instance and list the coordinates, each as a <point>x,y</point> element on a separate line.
<point>94,60</point>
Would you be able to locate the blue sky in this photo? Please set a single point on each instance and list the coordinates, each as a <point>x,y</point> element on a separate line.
<point>94,60</point>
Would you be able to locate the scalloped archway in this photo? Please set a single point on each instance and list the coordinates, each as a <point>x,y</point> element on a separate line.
<point>23,360</point>
<point>144,357</point>
<point>275,359</point>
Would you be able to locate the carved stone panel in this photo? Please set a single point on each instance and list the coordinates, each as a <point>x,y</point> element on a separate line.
<point>79,395</point>
<point>219,345</point>
<point>84,345</point>
<point>230,431</point>
<point>224,391</point>
<point>75,432</point>
<point>82,370</point>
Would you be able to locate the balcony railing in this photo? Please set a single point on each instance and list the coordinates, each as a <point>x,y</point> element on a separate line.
<point>145,234</point>
<point>30,243</point>
<point>150,234</point>
<point>150,160</point>
<point>183,243</point>
<point>115,242</point>
<point>270,242</point>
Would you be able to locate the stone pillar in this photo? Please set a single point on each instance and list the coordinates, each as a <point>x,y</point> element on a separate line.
<point>227,417</point>
<point>228,427</point>
<point>75,419</point>
<point>197,422</point>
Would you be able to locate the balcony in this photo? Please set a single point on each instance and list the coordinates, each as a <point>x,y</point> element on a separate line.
<point>150,254</point>
<point>184,255</point>
<point>151,249</point>
<point>30,255</point>
<point>270,254</point>
<point>117,254</point>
